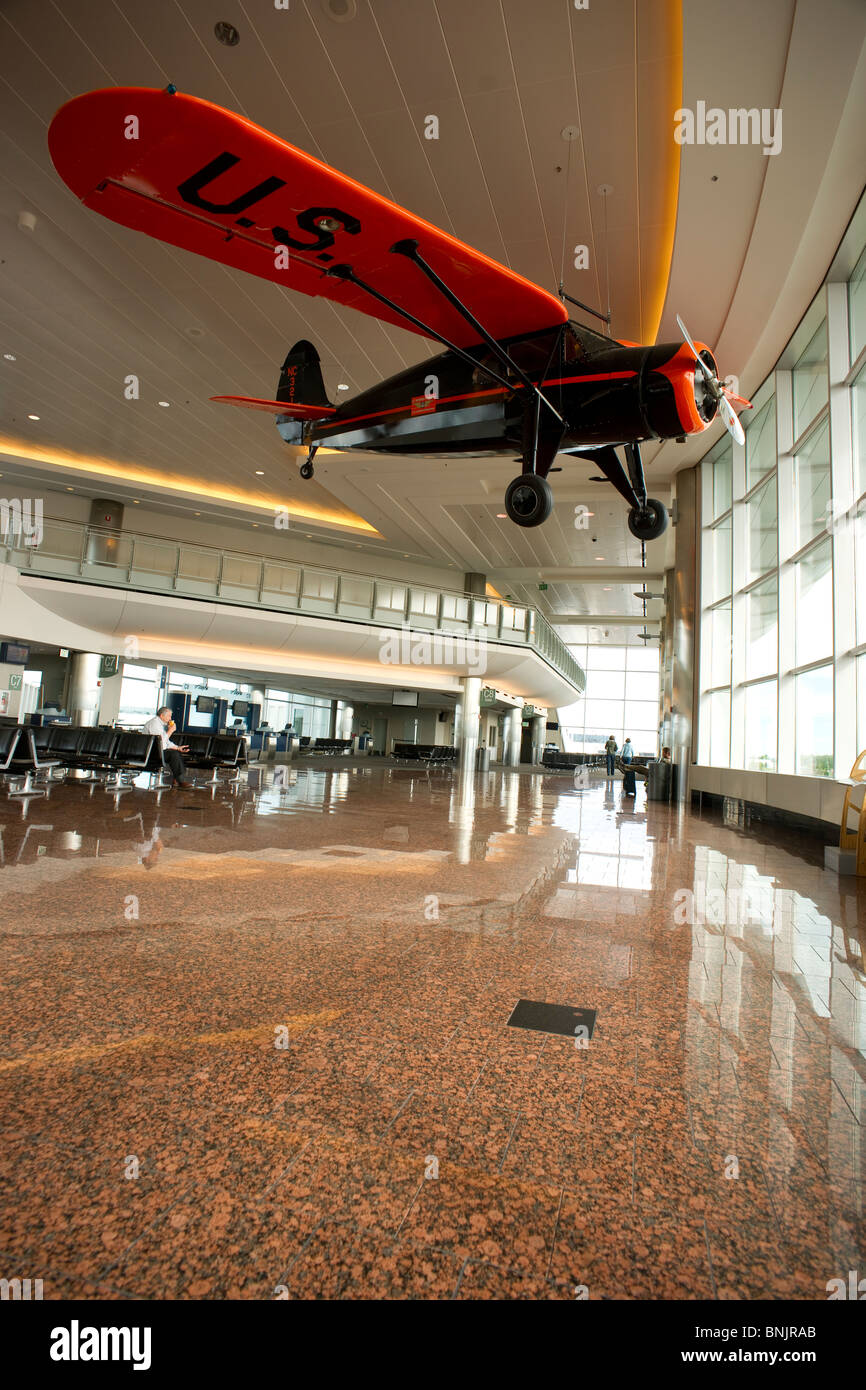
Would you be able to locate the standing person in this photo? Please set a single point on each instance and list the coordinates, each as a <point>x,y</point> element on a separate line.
<point>163,726</point>
<point>629,786</point>
<point>610,749</point>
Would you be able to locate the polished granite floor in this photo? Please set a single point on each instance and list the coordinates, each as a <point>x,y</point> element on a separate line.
<point>254,1044</point>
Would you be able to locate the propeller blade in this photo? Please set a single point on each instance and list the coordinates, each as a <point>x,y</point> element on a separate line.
<point>699,361</point>
<point>732,424</point>
<point>740,400</point>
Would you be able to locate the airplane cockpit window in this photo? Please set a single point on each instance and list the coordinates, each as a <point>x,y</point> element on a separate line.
<point>581,342</point>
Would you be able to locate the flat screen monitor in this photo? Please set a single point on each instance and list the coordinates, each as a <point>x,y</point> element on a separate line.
<point>205,704</point>
<point>405,697</point>
<point>552,726</point>
<point>240,707</point>
<point>14,653</point>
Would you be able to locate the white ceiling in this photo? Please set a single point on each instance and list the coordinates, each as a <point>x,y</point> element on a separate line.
<point>83,302</point>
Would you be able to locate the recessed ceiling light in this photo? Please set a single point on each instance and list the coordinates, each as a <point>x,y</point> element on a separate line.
<point>260,472</point>
<point>135,502</point>
<point>342,386</point>
<point>606,589</point>
<point>599,557</point>
<point>196,513</point>
<point>194,331</point>
<point>500,516</point>
<point>10,357</point>
<point>164,403</point>
<point>340,11</point>
<point>70,489</point>
<point>255,523</point>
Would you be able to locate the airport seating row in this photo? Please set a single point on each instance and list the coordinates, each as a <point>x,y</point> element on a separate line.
<point>557,761</point>
<point>113,755</point>
<point>330,746</point>
<point>430,753</point>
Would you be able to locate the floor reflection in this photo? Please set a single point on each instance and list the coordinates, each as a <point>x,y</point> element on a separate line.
<point>387,920</point>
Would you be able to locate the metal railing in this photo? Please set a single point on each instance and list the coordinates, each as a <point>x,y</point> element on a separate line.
<point>155,564</point>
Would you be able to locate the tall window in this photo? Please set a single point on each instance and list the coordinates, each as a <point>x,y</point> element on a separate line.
<point>762,628</point>
<point>857,308</point>
<point>763,524</point>
<point>621,698</point>
<point>811,387</point>
<point>139,693</point>
<point>812,483</point>
<point>761,726</point>
<point>783,576</point>
<point>761,444</point>
<point>814,722</point>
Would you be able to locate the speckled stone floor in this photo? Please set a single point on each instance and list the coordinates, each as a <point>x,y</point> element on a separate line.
<point>254,1044</point>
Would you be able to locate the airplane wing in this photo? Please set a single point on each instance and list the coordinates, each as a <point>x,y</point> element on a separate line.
<point>207,180</point>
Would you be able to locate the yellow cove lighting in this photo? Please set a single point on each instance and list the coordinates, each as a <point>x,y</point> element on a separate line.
<point>129,473</point>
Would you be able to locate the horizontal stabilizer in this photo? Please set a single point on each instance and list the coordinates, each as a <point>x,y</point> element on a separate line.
<point>294,411</point>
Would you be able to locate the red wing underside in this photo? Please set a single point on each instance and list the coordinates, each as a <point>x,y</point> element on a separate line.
<point>207,180</point>
<point>291,409</point>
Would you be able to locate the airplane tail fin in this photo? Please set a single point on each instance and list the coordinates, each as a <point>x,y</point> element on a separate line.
<point>301,378</point>
<point>301,393</point>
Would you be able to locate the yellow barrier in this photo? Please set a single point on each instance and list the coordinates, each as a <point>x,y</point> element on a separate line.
<point>855,801</point>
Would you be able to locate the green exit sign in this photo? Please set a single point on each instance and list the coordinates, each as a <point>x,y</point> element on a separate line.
<point>542,587</point>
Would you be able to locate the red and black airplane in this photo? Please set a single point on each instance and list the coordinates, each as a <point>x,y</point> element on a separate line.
<point>517,376</point>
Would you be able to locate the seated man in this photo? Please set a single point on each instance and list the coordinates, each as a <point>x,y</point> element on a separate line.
<point>163,726</point>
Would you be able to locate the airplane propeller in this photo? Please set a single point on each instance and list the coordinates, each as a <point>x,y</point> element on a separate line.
<point>717,388</point>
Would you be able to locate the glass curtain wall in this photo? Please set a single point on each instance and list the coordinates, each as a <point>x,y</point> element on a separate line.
<point>783,557</point>
<point>621,698</point>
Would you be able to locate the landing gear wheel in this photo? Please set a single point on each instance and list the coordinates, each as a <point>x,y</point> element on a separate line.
<point>649,522</point>
<point>306,470</point>
<point>529,500</point>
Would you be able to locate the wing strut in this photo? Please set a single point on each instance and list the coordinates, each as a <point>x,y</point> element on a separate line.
<point>409,248</point>
<point>345,272</point>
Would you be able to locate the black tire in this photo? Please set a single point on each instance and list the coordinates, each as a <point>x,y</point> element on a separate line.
<point>650,522</point>
<point>306,470</point>
<point>529,500</point>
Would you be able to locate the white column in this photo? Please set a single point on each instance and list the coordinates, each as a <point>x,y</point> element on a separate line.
<point>511,751</point>
<point>83,698</point>
<point>539,722</point>
<point>345,715</point>
<point>468,737</point>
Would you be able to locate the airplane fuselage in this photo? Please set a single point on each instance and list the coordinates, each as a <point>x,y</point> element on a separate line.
<point>607,394</point>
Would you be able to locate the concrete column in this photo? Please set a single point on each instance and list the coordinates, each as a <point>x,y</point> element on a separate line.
<point>468,737</point>
<point>511,736</point>
<point>539,729</point>
<point>83,698</point>
<point>475,584</point>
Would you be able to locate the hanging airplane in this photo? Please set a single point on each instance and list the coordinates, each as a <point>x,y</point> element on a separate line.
<point>517,376</point>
